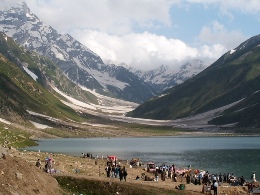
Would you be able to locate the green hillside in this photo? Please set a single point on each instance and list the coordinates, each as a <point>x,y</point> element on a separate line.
<point>19,92</point>
<point>46,71</point>
<point>231,78</point>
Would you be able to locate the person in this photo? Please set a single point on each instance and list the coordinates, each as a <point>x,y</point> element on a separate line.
<point>220,179</point>
<point>163,175</point>
<point>182,176</point>
<point>116,171</point>
<point>156,176</point>
<point>204,182</point>
<point>121,174</point>
<point>250,188</point>
<point>214,178</point>
<point>175,177</point>
<point>215,188</point>
<point>108,170</point>
<point>253,177</point>
<point>228,178</point>
<point>124,173</point>
<point>113,170</point>
<point>242,181</point>
<point>188,178</point>
<point>224,178</point>
<point>38,164</point>
<point>49,166</point>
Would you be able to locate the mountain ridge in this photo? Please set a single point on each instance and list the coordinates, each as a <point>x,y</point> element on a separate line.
<point>165,77</point>
<point>234,76</point>
<point>78,63</point>
<point>19,93</point>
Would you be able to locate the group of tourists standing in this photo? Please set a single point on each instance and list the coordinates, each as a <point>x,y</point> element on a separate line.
<point>116,171</point>
<point>165,172</point>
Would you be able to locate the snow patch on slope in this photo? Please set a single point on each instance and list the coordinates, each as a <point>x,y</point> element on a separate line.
<point>232,51</point>
<point>74,101</point>
<point>34,76</point>
<point>42,115</point>
<point>58,54</point>
<point>102,77</point>
<point>109,101</point>
<point>5,121</point>
<point>106,104</point>
<point>40,126</point>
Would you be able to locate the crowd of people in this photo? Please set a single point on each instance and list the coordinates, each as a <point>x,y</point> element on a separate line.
<point>208,181</point>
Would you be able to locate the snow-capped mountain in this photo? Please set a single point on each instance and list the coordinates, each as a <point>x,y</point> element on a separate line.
<point>83,66</point>
<point>164,77</point>
<point>78,63</point>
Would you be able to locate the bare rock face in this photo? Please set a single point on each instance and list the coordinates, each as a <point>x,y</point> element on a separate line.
<point>19,176</point>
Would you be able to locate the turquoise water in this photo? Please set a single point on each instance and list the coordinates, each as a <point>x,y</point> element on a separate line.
<point>238,155</point>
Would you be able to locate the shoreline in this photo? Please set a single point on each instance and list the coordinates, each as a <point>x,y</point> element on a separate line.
<point>181,135</point>
<point>168,156</point>
<point>89,170</point>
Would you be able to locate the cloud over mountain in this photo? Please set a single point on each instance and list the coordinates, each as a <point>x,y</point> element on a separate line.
<point>148,34</point>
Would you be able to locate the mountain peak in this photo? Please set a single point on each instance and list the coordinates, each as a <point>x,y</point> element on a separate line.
<point>77,62</point>
<point>165,77</point>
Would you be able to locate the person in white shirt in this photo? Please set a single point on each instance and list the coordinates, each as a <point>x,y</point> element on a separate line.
<point>215,188</point>
<point>253,177</point>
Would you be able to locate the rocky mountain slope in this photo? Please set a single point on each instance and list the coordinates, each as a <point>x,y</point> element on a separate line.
<point>77,62</point>
<point>30,82</point>
<point>83,66</point>
<point>164,77</point>
<point>24,85</point>
<point>234,77</point>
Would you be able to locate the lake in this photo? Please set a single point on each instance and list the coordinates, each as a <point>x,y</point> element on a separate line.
<point>238,155</point>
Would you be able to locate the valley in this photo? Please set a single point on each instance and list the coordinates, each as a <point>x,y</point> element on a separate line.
<point>54,86</point>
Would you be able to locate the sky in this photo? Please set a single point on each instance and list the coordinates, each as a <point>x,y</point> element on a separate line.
<point>145,34</point>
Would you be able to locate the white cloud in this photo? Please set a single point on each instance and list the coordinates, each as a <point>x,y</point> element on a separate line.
<point>211,53</point>
<point>146,50</point>
<point>109,28</point>
<point>111,16</point>
<point>215,33</point>
<point>241,5</point>
<point>227,7</point>
<point>7,3</point>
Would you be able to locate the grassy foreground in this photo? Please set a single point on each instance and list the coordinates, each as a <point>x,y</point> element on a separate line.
<point>85,186</point>
<point>14,137</point>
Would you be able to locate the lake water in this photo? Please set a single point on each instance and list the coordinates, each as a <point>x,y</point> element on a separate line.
<point>238,155</point>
